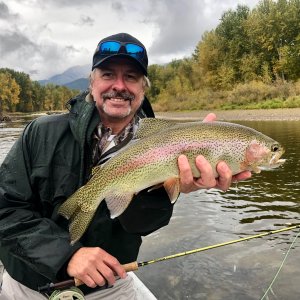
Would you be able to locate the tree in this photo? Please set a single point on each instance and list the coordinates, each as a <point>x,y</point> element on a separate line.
<point>35,97</point>
<point>208,58</point>
<point>9,92</point>
<point>273,29</point>
<point>38,96</point>
<point>25,84</point>
<point>155,77</point>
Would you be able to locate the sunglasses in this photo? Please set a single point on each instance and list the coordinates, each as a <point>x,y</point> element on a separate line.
<point>114,47</point>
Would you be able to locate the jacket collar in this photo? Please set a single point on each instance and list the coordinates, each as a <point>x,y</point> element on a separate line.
<point>84,117</point>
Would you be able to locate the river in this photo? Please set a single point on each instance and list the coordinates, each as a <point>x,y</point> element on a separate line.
<point>268,201</point>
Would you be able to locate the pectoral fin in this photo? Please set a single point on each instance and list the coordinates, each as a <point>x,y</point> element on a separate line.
<point>155,187</point>
<point>117,203</point>
<point>172,187</point>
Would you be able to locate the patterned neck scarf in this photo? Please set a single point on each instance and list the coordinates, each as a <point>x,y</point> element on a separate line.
<point>104,139</point>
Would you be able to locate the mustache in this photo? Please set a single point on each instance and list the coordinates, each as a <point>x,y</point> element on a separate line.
<point>125,95</point>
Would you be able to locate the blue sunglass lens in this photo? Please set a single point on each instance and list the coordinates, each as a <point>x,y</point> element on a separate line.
<point>135,50</point>
<point>109,47</point>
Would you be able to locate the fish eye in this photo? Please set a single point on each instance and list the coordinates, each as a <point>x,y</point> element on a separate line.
<point>275,148</point>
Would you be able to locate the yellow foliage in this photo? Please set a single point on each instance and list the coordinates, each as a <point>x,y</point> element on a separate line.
<point>9,92</point>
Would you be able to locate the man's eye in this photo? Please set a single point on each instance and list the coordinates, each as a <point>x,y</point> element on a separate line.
<point>107,75</point>
<point>131,77</point>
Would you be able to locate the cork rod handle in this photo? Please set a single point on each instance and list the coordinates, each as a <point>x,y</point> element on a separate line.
<point>133,266</point>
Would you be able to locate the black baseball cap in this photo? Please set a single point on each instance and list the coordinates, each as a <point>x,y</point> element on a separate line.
<point>121,44</point>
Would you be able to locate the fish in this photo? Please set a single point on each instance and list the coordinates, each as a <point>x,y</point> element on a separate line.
<point>150,160</point>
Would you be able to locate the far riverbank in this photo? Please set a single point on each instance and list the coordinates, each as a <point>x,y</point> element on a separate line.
<point>283,114</point>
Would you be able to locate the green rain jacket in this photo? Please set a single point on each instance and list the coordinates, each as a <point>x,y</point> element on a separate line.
<point>48,163</point>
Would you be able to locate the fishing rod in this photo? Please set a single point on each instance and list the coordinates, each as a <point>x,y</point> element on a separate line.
<point>145,263</point>
<point>133,266</point>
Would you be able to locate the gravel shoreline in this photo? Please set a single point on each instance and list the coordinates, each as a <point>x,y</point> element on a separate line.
<point>283,114</point>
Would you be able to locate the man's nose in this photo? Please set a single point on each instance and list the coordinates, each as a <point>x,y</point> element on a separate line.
<point>119,84</point>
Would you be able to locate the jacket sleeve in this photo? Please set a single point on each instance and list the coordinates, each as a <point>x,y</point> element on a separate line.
<point>30,243</point>
<point>147,212</point>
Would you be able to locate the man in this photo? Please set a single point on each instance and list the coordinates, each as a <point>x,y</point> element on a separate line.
<point>54,157</point>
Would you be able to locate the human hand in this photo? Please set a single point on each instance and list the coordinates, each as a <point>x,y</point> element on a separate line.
<point>94,266</point>
<point>207,180</point>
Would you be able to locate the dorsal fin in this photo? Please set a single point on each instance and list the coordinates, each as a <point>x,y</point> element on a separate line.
<point>149,126</point>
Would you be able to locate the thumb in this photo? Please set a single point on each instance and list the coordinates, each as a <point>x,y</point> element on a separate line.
<point>210,118</point>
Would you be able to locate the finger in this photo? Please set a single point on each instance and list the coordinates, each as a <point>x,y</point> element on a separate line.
<point>87,280</point>
<point>90,276</point>
<point>107,275</point>
<point>185,173</point>
<point>115,267</point>
<point>207,178</point>
<point>242,176</point>
<point>225,176</point>
<point>210,118</point>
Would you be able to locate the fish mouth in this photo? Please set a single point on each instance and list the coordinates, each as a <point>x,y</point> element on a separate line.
<point>274,162</point>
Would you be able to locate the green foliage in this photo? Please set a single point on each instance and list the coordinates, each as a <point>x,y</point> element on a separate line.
<point>251,59</point>
<point>19,93</point>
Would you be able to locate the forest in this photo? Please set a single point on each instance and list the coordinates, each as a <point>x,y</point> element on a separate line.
<point>250,60</point>
<point>18,93</point>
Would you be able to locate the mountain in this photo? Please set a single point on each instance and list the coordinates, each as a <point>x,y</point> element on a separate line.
<point>75,77</point>
<point>78,84</point>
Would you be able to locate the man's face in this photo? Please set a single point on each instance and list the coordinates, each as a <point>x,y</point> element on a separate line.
<point>118,89</point>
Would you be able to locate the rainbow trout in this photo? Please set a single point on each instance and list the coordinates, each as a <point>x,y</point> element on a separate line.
<point>151,159</point>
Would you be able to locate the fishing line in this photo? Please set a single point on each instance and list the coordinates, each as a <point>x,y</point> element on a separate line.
<point>279,269</point>
<point>133,266</point>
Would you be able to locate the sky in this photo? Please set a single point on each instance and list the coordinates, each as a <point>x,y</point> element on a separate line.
<point>45,37</point>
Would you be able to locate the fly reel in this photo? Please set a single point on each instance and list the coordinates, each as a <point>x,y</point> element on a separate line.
<point>72,293</point>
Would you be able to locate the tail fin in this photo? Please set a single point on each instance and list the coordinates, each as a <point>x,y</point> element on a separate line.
<point>68,208</point>
<point>79,212</point>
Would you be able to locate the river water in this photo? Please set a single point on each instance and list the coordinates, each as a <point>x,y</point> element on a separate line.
<point>243,271</point>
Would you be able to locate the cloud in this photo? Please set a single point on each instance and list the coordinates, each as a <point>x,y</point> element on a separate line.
<point>51,59</point>
<point>86,20</point>
<point>39,59</point>
<point>178,29</point>
<point>5,12</point>
<point>117,6</point>
<point>65,3</point>
<point>51,36</point>
<point>16,42</point>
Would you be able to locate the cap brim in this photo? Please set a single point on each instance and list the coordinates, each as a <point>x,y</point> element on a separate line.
<point>105,59</point>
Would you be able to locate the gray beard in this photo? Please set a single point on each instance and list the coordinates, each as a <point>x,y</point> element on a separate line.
<point>124,115</point>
